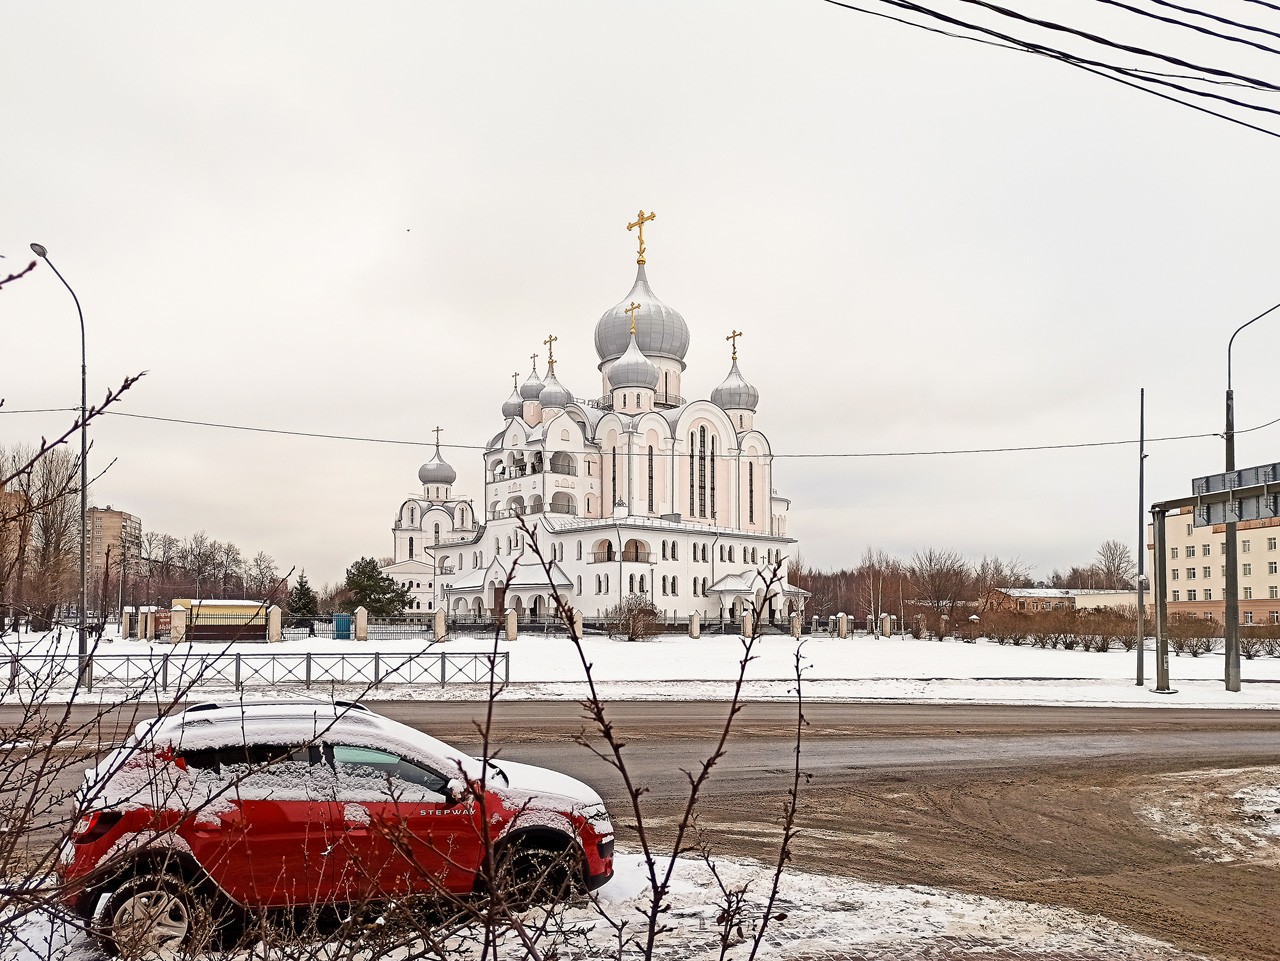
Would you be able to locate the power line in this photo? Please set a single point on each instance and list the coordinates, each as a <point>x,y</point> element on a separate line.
<point>817,456</point>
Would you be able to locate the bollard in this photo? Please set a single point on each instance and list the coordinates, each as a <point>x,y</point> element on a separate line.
<point>695,625</point>
<point>577,623</point>
<point>795,625</point>
<point>275,627</point>
<point>362,624</point>
<point>512,626</point>
<point>440,628</point>
<point>748,623</point>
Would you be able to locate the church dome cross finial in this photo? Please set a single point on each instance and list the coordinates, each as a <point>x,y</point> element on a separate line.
<point>641,219</point>
<point>733,336</point>
<point>631,311</point>
<point>551,357</point>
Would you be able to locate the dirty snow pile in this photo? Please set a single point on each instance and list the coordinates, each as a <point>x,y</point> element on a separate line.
<point>1220,815</point>
<point>822,918</point>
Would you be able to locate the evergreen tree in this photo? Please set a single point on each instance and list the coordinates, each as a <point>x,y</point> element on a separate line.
<point>302,599</point>
<point>373,590</point>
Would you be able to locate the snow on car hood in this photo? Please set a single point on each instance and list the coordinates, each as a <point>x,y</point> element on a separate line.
<point>542,782</point>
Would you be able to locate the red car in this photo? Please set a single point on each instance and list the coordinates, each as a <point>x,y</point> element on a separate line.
<point>278,805</point>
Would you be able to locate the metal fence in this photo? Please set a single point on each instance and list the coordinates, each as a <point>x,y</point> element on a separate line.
<point>187,671</point>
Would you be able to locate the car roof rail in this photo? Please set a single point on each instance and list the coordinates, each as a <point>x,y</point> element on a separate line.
<point>278,702</point>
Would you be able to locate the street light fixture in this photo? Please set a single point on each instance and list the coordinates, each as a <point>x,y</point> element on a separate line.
<point>1231,614</point>
<point>82,648</point>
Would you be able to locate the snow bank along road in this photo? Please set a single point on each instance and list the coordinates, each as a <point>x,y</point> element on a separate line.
<point>1127,813</point>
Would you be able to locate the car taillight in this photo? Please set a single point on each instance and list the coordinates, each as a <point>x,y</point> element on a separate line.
<point>94,825</point>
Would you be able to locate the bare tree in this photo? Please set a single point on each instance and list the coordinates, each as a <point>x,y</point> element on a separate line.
<point>992,573</point>
<point>940,581</point>
<point>1114,566</point>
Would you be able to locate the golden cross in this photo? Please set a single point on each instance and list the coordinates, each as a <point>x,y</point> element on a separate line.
<point>733,336</point>
<point>551,360</point>
<point>515,380</point>
<point>534,358</point>
<point>641,218</point>
<point>632,311</point>
<point>438,429</point>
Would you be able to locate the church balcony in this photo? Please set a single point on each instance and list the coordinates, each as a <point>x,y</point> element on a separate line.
<point>627,557</point>
<point>563,509</point>
<point>570,470</point>
<point>660,399</point>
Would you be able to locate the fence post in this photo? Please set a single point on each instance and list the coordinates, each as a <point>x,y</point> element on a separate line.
<point>274,631</point>
<point>795,625</point>
<point>506,668</point>
<point>695,625</point>
<point>440,629</point>
<point>13,673</point>
<point>237,672</point>
<point>748,623</point>
<point>164,672</point>
<point>362,624</point>
<point>442,666</point>
<point>177,624</point>
<point>377,669</point>
<point>842,625</point>
<point>308,681</point>
<point>513,626</point>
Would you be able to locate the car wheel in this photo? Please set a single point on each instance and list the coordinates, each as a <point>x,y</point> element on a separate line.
<point>156,917</point>
<point>535,873</point>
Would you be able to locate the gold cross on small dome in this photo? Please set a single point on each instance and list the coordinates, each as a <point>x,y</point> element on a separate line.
<point>641,219</point>
<point>632,312</point>
<point>551,359</point>
<point>438,429</point>
<point>733,336</point>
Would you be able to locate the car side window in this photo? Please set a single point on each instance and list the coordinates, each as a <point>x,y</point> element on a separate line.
<point>372,769</point>
<point>245,757</point>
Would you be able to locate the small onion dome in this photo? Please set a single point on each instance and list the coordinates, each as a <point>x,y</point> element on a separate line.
<point>513,405</point>
<point>735,393</point>
<point>660,331</point>
<point>633,369</point>
<point>553,393</point>
<point>436,471</point>
<point>532,387</point>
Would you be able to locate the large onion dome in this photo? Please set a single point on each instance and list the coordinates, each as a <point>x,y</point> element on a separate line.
<point>437,471</point>
<point>532,387</point>
<point>735,393</point>
<point>660,331</point>
<point>513,406</point>
<point>553,392</point>
<point>633,368</point>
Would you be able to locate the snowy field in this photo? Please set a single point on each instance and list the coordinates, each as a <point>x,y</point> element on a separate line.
<point>679,668</point>
<point>823,919</point>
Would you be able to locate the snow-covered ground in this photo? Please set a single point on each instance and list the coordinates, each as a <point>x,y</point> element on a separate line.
<point>679,668</point>
<point>821,918</point>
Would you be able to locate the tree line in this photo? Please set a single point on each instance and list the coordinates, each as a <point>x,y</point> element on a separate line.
<point>935,583</point>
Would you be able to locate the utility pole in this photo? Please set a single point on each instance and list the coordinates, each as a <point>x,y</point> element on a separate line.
<point>1142,539</point>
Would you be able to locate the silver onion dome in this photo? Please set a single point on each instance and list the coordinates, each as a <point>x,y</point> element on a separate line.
<point>513,406</point>
<point>553,393</point>
<point>633,368</point>
<point>532,387</point>
<point>436,470</point>
<point>660,331</point>
<point>735,393</point>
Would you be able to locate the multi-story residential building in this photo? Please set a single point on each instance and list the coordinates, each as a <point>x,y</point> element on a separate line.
<point>122,533</point>
<point>1196,575</point>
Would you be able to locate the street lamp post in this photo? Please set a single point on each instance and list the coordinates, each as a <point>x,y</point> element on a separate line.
<point>1231,615</point>
<point>82,649</point>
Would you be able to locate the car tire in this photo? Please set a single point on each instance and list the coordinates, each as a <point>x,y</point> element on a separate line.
<point>156,917</point>
<point>534,873</point>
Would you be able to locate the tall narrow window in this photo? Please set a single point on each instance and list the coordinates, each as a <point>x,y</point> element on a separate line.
<point>702,472</point>
<point>713,477</point>
<point>650,478</point>
<point>437,535</point>
<point>692,513</point>
<point>613,479</point>
<point>410,548</point>
<point>751,492</point>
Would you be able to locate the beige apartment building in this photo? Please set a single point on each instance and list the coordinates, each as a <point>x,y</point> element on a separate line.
<point>122,533</point>
<point>1197,573</point>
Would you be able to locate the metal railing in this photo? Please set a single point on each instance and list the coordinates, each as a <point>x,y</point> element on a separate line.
<point>628,557</point>
<point>184,672</point>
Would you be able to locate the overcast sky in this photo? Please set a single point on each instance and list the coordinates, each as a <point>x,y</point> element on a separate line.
<point>361,219</point>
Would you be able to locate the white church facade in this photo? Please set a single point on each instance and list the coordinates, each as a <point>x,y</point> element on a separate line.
<point>635,491</point>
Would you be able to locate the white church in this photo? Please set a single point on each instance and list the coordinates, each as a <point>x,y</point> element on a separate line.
<point>637,491</point>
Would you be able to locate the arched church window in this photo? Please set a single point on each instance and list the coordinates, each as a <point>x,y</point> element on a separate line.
<point>598,584</point>
<point>691,488</point>
<point>613,479</point>
<point>702,472</point>
<point>436,534</point>
<point>410,548</point>
<point>674,555</point>
<point>624,401</point>
<point>579,550</point>
<point>664,550</point>
<point>675,586</point>
<point>564,435</point>
<point>588,502</point>
<point>643,589</point>
<point>664,585</point>
<point>741,420</point>
<point>650,478</point>
<point>412,513</point>
<point>713,476</point>
<point>637,401</point>
<point>722,553</point>
<point>751,492</point>
<point>579,585</point>
<point>606,583</point>
<point>631,586</point>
